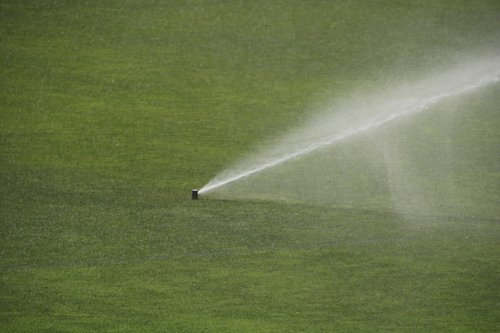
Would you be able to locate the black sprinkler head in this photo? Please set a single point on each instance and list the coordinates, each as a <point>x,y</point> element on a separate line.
<point>194,194</point>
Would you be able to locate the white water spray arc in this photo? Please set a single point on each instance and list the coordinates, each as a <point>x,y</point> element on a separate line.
<point>362,115</point>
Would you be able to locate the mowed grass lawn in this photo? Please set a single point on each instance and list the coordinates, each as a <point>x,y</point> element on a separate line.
<point>112,111</point>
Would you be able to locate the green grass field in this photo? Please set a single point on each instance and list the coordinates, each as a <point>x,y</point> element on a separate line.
<point>112,111</point>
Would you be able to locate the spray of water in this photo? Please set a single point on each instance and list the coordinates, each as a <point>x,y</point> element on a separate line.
<point>363,114</point>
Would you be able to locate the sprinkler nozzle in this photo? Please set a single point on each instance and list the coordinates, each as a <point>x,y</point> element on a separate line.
<point>194,194</point>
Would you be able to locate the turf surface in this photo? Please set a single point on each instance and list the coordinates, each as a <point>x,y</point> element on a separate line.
<point>111,111</point>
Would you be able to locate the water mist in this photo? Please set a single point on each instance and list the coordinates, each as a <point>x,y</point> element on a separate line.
<point>339,131</point>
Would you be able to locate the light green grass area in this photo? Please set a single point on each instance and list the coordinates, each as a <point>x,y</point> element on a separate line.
<point>112,111</point>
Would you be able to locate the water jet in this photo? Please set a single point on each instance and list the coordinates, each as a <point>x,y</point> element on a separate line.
<point>363,114</point>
